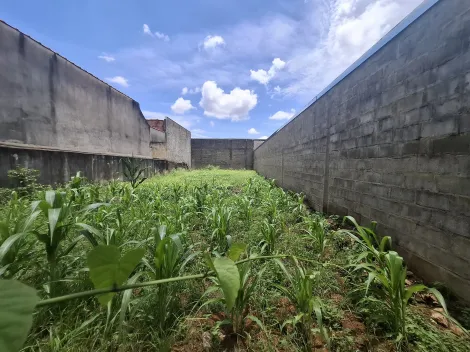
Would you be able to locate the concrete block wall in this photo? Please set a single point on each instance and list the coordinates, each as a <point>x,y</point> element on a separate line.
<point>57,167</point>
<point>391,142</point>
<point>48,101</point>
<point>225,153</point>
<point>170,141</point>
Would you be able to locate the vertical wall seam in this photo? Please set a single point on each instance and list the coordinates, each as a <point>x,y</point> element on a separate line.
<point>327,166</point>
<point>282,167</point>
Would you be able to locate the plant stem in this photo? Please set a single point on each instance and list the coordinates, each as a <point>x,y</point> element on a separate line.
<point>142,284</point>
<point>116,289</point>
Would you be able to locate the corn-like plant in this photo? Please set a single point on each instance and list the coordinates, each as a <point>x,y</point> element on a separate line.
<point>14,249</point>
<point>169,260</point>
<point>300,293</point>
<point>270,234</point>
<point>393,292</point>
<point>237,284</point>
<point>298,207</point>
<point>374,249</point>
<point>58,212</point>
<point>133,172</point>
<point>200,193</point>
<point>219,222</point>
<point>246,208</point>
<point>317,233</point>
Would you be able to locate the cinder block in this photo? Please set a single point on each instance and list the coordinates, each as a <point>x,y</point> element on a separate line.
<point>433,200</point>
<point>459,246</point>
<point>445,127</point>
<point>403,194</point>
<point>409,148</point>
<point>454,185</point>
<point>393,179</point>
<point>387,150</point>
<point>373,188</point>
<point>456,224</point>
<point>421,181</point>
<point>450,107</point>
<point>453,145</point>
<point>411,117</point>
<point>407,133</point>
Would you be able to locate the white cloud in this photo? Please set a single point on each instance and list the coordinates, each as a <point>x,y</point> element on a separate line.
<point>118,80</point>
<point>158,35</point>
<point>235,105</point>
<point>212,123</point>
<point>253,131</point>
<point>162,36</point>
<point>194,90</point>
<point>213,41</point>
<point>181,106</point>
<point>277,89</point>
<point>264,137</point>
<point>147,30</point>
<point>107,58</point>
<point>348,29</point>
<point>198,133</point>
<point>282,115</point>
<point>264,77</point>
<point>317,41</point>
<point>187,90</point>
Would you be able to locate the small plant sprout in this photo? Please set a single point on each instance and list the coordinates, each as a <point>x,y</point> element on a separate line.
<point>317,232</point>
<point>300,293</point>
<point>270,234</point>
<point>237,283</point>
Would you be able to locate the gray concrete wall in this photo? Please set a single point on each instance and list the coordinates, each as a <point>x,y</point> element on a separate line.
<point>57,167</point>
<point>225,153</point>
<point>391,142</point>
<point>173,145</point>
<point>178,141</point>
<point>48,101</point>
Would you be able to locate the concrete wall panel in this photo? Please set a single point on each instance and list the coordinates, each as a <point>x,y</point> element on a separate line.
<point>178,140</point>
<point>225,153</point>
<point>48,101</point>
<point>57,167</point>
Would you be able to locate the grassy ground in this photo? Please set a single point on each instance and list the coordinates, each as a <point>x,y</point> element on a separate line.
<point>310,294</point>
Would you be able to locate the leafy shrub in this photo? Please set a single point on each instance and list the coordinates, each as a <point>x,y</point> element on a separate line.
<point>24,180</point>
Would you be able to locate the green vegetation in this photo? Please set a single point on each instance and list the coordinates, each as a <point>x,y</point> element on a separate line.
<point>206,260</point>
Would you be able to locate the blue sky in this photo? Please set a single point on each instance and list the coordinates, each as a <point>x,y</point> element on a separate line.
<point>226,68</point>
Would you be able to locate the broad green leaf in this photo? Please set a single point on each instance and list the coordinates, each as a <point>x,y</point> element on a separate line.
<point>17,302</point>
<point>413,289</point>
<point>53,215</point>
<point>109,269</point>
<point>235,250</point>
<point>30,220</point>
<point>50,198</point>
<point>229,279</point>
<point>9,242</point>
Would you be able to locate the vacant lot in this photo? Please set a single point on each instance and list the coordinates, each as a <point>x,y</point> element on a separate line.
<point>207,260</point>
